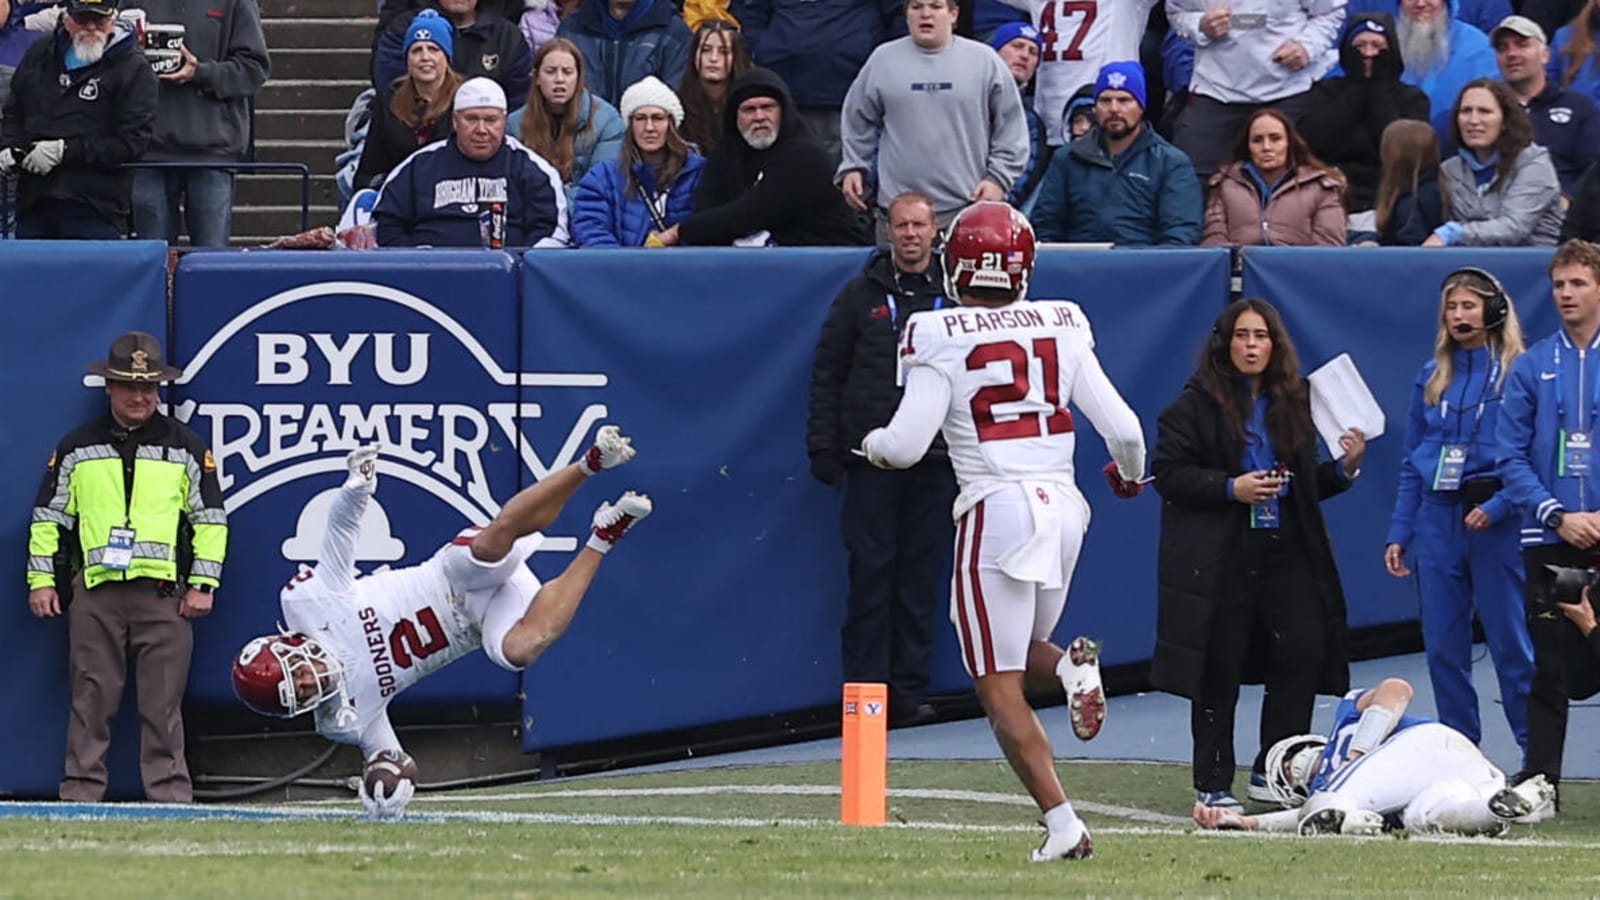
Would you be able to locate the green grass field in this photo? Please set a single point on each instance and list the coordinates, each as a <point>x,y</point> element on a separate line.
<point>959,830</point>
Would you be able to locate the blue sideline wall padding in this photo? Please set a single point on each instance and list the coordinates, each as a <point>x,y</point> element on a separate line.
<point>63,304</point>
<point>1381,306</point>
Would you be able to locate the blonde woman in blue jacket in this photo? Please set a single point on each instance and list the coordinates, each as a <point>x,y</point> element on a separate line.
<point>1451,513</point>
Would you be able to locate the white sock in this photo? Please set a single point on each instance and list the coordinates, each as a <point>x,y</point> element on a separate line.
<point>1060,819</point>
<point>599,544</point>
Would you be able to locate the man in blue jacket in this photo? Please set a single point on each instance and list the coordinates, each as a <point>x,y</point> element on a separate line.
<point>623,41</point>
<point>1121,183</point>
<point>1546,455</point>
<point>1442,53</point>
<point>479,188</point>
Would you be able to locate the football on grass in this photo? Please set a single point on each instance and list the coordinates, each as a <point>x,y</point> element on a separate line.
<point>388,767</point>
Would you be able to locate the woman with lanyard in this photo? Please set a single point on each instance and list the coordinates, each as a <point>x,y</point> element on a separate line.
<point>1450,512</point>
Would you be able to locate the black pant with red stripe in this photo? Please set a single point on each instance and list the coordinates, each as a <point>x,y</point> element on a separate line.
<point>1271,609</point>
<point>897,527</point>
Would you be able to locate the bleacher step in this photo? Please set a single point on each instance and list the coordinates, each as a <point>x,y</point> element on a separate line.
<point>294,34</point>
<point>321,63</point>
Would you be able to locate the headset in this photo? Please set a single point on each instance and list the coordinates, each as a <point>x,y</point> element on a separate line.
<point>1496,305</point>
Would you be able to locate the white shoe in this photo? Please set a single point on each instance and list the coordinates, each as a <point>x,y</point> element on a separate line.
<point>1338,821</point>
<point>1071,844</point>
<point>610,450</point>
<point>1086,697</point>
<point>1523,802</point>
<point>613,520</point>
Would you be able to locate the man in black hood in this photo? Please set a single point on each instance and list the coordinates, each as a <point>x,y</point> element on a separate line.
<point>1348,114</point>
<point>767,179</point>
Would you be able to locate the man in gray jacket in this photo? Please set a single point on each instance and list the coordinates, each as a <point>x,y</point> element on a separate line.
<point>942,114</point>
<point>203,116</point>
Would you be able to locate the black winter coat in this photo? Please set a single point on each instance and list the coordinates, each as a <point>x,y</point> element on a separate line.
<point>1346,117</point>
<point>786,189</point>
<point>1202,534</point>
<point>853,386</point>
<point>1415,216</point>
<point>104,111</point>
<point>390,141</point>
<point>1583,216</point>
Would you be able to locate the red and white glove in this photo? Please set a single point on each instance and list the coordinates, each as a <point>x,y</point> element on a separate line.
<point>1124,489</point>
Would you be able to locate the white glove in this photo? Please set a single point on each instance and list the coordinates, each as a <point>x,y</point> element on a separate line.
<point>44,20</point>
<point>8,162</point>
<point>44,156</point>
<point>383,809</point>
<point>870,450</point>
<point>363,465</point>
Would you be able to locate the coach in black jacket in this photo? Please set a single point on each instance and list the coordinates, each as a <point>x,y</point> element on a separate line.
<point>1345,120</point>
<point>783,189</point>
<point>896,523</point>
<point>67,131</point>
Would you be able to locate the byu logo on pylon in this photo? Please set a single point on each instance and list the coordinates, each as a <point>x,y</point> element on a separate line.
<point>874,708</point>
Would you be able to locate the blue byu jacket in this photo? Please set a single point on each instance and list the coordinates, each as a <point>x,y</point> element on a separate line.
<point>439,198</point>
<point>1552,378</point>
<point>605,215</point>
<point>650,40</point>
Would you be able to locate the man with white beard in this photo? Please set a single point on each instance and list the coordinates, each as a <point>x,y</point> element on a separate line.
<point>83,101</point>
<point>1442,53</point>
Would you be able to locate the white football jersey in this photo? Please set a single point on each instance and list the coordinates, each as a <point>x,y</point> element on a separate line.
<point>1079,37</point>
<point>389,629</point>
<point>1000,380</point>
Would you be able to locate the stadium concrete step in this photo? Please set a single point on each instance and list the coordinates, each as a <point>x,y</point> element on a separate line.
<point>294,34</point>
<point>270,190</point>
<point>298,124</point>
<point>279,220</point>
<point>317,154</point>
<point>322,63</point>
<point>321,9</point>
<point>310,93</point>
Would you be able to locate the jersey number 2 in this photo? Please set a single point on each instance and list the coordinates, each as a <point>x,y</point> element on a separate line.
<point>984,400</point>
<point>1049,30</point>
<point>407,645</point>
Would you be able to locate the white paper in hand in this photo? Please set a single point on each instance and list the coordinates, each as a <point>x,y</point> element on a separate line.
<point>1340,400</point>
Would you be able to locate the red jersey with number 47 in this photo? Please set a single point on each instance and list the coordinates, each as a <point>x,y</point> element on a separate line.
<point>999,381</point>
<point>1079,37</point>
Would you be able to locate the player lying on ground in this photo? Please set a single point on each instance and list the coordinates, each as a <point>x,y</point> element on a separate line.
<point>1382,769</point>
<point>354,643</point>
<point>997,375</point>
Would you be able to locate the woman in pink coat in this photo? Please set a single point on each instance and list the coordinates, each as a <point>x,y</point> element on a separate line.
<point>1275,192</point>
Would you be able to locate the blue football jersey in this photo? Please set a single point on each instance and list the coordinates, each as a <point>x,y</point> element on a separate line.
<point>1337,753</point>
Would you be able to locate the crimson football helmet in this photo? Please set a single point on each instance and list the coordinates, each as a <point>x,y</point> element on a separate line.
<point>989,245</point>
<point>264,674</point>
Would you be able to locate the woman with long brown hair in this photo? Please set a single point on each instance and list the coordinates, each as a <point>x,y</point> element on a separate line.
<point>625,202</point>
<point>1244,550</point>
<point>1275,191</point>
<point>571,128</point>
<point>1503,188</point>
<point>1410,204</point>
<point>1575,53</point>
<point>717,56</point>
<point>415,110</point>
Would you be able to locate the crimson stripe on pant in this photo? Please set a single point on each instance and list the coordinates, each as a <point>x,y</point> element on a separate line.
<point>963,631</point>
<point>967,576</point>
<point>977,594</point>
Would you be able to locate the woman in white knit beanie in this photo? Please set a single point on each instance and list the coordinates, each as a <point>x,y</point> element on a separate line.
<point>629,202</point>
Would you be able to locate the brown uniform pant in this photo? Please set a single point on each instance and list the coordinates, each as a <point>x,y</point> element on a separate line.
<point>109,625</point>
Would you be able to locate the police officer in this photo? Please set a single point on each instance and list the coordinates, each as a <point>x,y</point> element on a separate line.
<point>130,517</point>
<point>1451,513</point>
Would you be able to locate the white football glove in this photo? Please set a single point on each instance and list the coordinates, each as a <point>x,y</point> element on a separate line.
<point>363,465</point>
<point>387,809</point>
<point>8,162</point>
<point>45,156</point>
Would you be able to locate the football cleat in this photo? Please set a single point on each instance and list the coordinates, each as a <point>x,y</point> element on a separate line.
<point>1337,821</point>
<point>1072,844</point>
<point>613,520</point>
<point>610,450</point>
<point>1086,697</point>
<point>1522,801</point>
<point>1219,799</point>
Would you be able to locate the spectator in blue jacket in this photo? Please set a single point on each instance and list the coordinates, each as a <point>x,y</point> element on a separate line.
<point>1576,62</point>
<point>571,128</point>
<point>1450,512</point>
<point>1547,473</point>
<point>1441,53</point>
<point>1565,121</point>
<point>627,202</point>
<point>487,45</point>
<point>1121,182</point>
<point>478,189</point>
<point>817,47</point>
<point>622,41</point>
<point>1480,14</point>
<point>1019,44</point>
<point>1410,202</point>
